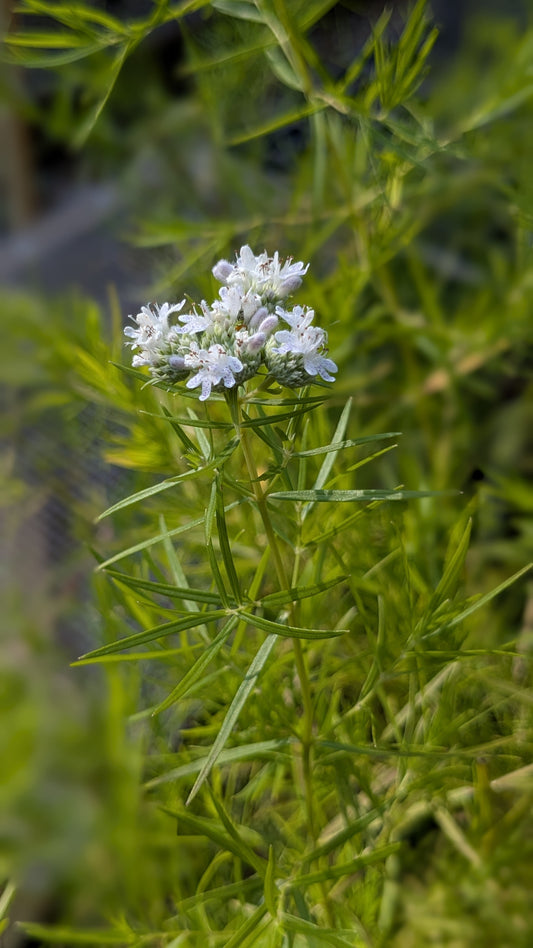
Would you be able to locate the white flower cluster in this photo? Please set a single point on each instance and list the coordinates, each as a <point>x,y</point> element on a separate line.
<point>225,344</point>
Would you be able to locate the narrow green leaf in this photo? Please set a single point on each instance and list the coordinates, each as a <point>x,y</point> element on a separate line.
<point>225,546</point>
<point>289,631</point>
<point>22,56</point>
<point>242,848</point>
<point>357,64</point>
<point>328,462</point>
<point>341,445</point>
<point>203,440</point>
<point>197,670</point>
<point>388,750</point>
<point>102,18</point>
<point>189,445</point>
<point>171,481</point>
<point>6,897</point>
<point>233,755</point>
<point>307,400</point>
<point>312,11</point>
<point>281,121</point>
<point>217,575</point>
<point>351,496</point>
<point>151,491</point>
<point>165,589</point>
<point>330,873</point>
<point>220,459</point>
<point>271,892</point>
<point>483,600</point>
<point>255,585</point>
<point>253,592</point>
<point>272,439</point>
<point>448,582</point>
<point>302,466</point>
<point>135,374</point>
<point>159,655</point>
<point>201,826</point>
<point>234,711</point>
<point>274,419</point>
<point>151,541</point>
<point>159,632</point>
<point>161,537</point>
<point>178,573</point>
<point>282,68</point>
<point>336,441</point>
<point>241,938</point>
<point>42,40</point>
<point>113,73</point>
<point>66,13</point>
<point>221,893</point>
<point>192,422</point>
<point>364,461</point>
<point>209,515</point>
<point>348,832</point>
<point>343,525</point>
<point>235,54</point>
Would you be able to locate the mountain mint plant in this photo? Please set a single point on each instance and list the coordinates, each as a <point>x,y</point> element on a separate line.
<point>224,344</point>
<point>293,675</point>
<point>267,565</point>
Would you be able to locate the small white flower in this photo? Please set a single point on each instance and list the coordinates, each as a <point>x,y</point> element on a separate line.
<point>287,278</point>
<point>213,366</point>
<point>194,322</point>
<point>300,318</point>
<point>261,274</point>
<point>235,304</point>
<point>250,304</point>
<point>152,331</point>
<point>139,360</point>
<point>229,303</point>
<point>249,270</point>
<point>248,348</point>
<point>304,340</point>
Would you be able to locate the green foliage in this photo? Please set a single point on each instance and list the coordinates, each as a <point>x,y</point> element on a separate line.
<point>323,683</point>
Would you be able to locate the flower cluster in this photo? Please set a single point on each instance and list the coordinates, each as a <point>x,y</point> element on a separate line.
<point>223,344</point>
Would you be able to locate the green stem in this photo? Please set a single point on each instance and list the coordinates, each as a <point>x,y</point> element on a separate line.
<point>260,498</point>
<point>307,722</point>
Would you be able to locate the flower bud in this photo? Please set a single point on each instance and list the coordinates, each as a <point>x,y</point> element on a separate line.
<point>288,286</point>
<point>268,325</point>
<point>257,317</point>
<point>255,343</point>
<point>222,270</point>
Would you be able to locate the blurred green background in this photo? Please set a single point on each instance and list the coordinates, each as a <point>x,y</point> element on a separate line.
<point>123,186</point>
